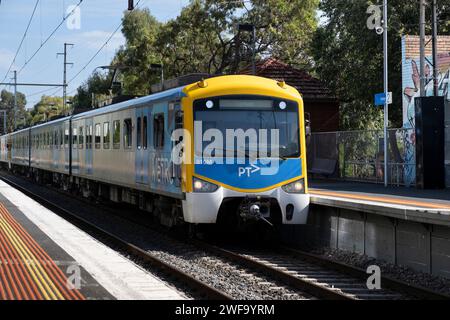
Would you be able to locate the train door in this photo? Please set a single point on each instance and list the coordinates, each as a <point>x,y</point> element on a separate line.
<point>56,148</point>
<point>142,138</point>
<point>176,122</point>
<point>88,151</point>
<point>66,128</point>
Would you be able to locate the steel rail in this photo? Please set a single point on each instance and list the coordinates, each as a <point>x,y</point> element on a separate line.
<point>206,290</point>
<point>387,282</point>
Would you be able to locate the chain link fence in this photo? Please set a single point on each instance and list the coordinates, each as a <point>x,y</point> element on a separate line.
<point>359,156</point>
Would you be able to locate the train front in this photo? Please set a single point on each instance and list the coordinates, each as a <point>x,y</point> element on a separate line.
<point>248,159</point>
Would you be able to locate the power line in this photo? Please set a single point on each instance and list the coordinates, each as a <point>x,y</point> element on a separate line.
<point>50,36</point>
<point>21,41</point>
<point>101,48</point>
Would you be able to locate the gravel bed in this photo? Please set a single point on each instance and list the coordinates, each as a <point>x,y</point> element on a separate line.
<point>435,283</point>
<point>237,281</point>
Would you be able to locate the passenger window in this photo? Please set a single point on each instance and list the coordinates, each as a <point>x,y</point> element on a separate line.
<point>138,133</point>
<point>55,139</point>
<point>89,137</point>
<point>106,135</point>
<point>50,135</point>
<point>80,138</point>
<point>98,134</point>
<point>144,134</point>
<point>158,130</point>
<point>61,138</point>
<point>127,133</point>
<point>66,138</point>
<point>74,138</point>
<point>116,134</point>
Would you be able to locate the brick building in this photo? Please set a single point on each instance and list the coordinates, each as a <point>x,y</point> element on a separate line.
<point>321,106</point>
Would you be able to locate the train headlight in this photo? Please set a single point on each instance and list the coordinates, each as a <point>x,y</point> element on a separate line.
<point>295,187</point>
<point>203,186</point>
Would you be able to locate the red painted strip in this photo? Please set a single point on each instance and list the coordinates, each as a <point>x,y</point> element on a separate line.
<point>55,273</point>
<point>28,281</point>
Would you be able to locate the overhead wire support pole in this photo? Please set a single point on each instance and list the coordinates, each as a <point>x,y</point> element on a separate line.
<point>386,91</point>
<point>435,50</point>
<point>422,48</point>
<point>15,97</point>
<point>65,76</point>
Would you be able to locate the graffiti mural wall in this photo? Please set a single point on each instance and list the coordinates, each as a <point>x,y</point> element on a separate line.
<point>411,88</point>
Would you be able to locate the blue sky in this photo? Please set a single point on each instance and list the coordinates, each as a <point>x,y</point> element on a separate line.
<point>99,18</point>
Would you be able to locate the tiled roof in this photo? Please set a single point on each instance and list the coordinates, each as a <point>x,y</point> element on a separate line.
<point>307,85</point>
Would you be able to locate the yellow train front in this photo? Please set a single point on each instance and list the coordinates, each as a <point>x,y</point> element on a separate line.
<point>246,159</point>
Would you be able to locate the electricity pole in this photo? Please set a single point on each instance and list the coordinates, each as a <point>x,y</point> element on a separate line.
<point>386,91</point>
<point>15,99</point>
<point>435,49</point>
<point>422,49</point>
<point>65,76</point>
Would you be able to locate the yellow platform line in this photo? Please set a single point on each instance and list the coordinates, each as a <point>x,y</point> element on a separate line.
<point>40,276</point>
<point>384,199</point>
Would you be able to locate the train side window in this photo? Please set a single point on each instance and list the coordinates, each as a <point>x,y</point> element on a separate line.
<point>89,137</point>
<point>116,134</point>
<point>139,133</point>
<point>50,135</point>
<point>98,134</point>
<point>66,138</point>
<point>127,133</point>
<point>144,133</point>
<point>80,138</point>
<point>158,130</point>
<point>55,139</point>
<point>74,138</point>
<point>106,135</point>
<point>61,138</point>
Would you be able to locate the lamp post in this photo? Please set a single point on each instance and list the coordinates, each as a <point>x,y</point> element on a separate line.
<point>386,91</point>
<point>250,28</point>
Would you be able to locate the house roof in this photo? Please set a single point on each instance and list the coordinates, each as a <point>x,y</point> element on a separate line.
<point>307,85</point>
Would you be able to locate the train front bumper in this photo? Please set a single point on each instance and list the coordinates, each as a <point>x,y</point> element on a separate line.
<point>204,207</point>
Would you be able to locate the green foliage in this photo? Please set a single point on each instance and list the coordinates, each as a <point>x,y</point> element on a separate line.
<point>97,84</point>
<point>45,109</point>
<point>349,57</point>
<point>7,103</point>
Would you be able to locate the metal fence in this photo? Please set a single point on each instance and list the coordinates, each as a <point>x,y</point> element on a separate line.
<point>359,156</point>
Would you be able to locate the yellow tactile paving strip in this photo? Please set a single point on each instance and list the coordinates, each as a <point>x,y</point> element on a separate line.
<point>26,270</point>
<point>385,199</point>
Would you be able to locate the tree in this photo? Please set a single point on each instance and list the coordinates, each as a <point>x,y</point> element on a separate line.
<point>140,29</point>
<point>349,57</point>
<point>97,84</point>
<point>7,103</point>
<point>45,109</point>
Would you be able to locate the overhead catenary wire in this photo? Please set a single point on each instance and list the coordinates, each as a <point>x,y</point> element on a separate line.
<point>22,40</point>
<point>50,36</point>
<point>101,48</point>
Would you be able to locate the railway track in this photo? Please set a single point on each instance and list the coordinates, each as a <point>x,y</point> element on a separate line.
<point>202,288</point>
<point>302,272</point>
<point>323,277</point>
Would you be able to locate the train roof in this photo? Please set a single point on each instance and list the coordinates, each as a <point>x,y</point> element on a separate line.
<point>172,94</point>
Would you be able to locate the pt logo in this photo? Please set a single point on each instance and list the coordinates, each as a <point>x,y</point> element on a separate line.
<point>374,280</point>
<point>248,171</point>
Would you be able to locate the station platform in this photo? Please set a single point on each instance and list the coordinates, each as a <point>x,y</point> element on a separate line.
<point>430,206</point>
<point>44,257</point>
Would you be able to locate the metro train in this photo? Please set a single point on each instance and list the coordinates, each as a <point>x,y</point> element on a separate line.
<point>166,153</point>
